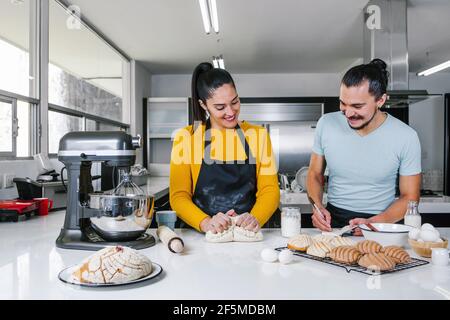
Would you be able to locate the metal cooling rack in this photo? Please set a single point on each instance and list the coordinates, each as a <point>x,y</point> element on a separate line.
<point>357,268</point>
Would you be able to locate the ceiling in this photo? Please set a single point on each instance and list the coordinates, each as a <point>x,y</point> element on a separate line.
<point>256,36</point>
<point>261,36</point>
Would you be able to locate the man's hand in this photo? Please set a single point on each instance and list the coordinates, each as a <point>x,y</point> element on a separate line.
<point>357,221</point>
<point>217,223</point>
<point>248,222</point>
<point>321,220</point>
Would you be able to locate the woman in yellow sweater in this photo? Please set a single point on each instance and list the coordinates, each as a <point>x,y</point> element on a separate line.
<point>221,166</point>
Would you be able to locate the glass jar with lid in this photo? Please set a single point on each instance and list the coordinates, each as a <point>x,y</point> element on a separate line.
<point>290,221</point>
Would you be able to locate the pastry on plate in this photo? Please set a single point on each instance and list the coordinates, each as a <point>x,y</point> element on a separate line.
<point>345,254</point>
<point>319,249</point>
<point>113,265</point>
<point>377,262</point>
<point>300,242</point>
<point>396,253</point>
<point>342,241</point>
<point>369,246</point>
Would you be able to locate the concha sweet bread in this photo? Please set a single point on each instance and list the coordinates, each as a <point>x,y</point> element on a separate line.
<point>377,262</point>
<point>300,242</point>
<point>341,241</point>
<point>323,237</point>
<point>369,246</point>
<point>113,265</point>
<point>398,254</point>
<point>345,254</point>
<point>319,249</point>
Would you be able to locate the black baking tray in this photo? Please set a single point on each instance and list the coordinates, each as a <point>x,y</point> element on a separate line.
<point>357,268</point>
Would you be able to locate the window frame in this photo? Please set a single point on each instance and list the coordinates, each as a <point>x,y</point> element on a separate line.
<point>40,106</point>
<point>84,116</point>
<point>13,137</point>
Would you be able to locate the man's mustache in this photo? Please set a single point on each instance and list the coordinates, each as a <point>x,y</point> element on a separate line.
<point>355,118</point>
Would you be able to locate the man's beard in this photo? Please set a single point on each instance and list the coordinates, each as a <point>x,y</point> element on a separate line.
<point>365,124</point>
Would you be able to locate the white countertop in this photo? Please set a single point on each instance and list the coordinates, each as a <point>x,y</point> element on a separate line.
<point>158,186</point>
<point>30,263</point>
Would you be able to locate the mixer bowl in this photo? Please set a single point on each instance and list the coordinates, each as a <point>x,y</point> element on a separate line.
<point>123,218</point>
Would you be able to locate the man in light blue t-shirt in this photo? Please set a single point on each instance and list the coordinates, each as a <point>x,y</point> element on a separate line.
<point>364,149</point>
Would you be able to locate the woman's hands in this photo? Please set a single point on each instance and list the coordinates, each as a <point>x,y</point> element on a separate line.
<point>217,223</point>
<point>222,221</point>
<point>248,222</point>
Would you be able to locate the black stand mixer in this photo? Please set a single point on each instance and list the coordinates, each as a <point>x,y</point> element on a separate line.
<point>95,220</point>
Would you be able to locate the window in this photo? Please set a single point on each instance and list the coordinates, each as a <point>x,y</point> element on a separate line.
<point>61,124</point>
<point>16,62</point>
<point>87,79</point>
<point>18,82</point>
<point>85,73</point>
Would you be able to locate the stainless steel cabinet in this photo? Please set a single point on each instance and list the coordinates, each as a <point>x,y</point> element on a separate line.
<point>164,117</point>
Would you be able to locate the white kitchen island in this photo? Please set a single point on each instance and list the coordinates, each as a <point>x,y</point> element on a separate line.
<point>30,263</point>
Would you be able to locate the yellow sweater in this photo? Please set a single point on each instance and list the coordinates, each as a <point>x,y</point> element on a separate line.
<point>186,160</point>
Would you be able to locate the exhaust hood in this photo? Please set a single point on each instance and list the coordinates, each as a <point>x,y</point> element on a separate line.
<point>385,37</point>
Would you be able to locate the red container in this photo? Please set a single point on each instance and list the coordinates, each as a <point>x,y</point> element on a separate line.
<point>45,204</point>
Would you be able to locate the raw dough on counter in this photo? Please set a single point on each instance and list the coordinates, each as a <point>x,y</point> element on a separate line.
<point>234,233</point>
<point>113,265</point>
<point>225,236</point>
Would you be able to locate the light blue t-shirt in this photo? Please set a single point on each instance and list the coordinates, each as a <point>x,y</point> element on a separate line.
<point>363,170</point>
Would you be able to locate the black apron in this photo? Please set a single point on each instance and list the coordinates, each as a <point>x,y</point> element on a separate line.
<point>222,186</point>
<point>341,217</point>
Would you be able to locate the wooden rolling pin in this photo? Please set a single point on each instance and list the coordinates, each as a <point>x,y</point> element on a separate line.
<point>170,238</point>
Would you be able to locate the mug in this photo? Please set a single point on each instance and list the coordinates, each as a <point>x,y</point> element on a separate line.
<point>166,218</point>
<point>45,204</point>
<point>439,256</point>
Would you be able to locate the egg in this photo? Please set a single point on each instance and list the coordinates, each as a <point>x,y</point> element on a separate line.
<point>428,235</point>
<point>439,240</point>
<point>269,255</point>
<point>420,240</point>
<point>438,235</point>
<point>285,256</point>
<point>414,233</point>
<point>427,226</point>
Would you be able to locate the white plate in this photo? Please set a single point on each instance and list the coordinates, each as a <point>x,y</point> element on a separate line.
<point>300,178</point>
<point>67,277</point>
